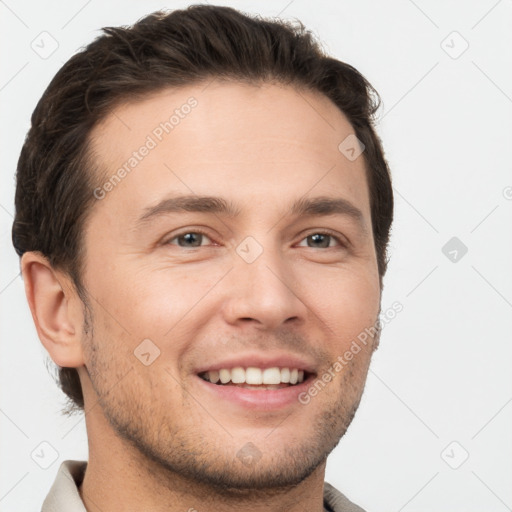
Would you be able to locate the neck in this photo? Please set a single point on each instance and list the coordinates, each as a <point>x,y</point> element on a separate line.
<point>119,478</point>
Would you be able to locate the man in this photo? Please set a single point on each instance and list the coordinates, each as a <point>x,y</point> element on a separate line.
<point>202,214</point>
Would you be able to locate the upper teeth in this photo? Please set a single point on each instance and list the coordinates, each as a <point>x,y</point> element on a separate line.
<point>252,375</point>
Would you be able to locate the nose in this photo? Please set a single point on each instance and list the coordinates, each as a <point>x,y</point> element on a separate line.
<point>263,293</point>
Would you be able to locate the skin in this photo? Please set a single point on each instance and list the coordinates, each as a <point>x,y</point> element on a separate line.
<point>156,441</point>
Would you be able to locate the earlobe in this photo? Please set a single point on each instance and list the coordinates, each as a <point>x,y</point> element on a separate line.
<point>56,310</point>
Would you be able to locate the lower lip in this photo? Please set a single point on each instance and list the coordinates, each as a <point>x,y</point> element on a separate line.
<point>261,399</point>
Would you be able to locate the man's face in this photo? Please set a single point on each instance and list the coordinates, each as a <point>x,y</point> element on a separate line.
<point>264,283</point>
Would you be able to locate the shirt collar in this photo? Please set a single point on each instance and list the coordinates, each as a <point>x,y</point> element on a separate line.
<point>64,495</point>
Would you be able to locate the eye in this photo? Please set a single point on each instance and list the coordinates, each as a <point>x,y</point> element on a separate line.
<point>189,239</point>
<point>321,241</point>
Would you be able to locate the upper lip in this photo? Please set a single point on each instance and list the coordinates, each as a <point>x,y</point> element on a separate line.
<point>260,360</point>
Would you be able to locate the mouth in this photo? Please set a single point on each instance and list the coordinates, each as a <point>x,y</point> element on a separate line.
<point>257,378</point>
<point>256,389</point>
<point>256,381</point>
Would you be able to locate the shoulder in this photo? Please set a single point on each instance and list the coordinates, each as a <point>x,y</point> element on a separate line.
<point>335,501</point>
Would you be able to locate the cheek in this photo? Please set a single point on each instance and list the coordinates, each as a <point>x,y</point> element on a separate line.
<point>152,302</point>
<point>346,301</point>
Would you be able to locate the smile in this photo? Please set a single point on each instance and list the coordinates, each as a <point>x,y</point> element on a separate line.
<point>253,377</point>
<point>263,389</point>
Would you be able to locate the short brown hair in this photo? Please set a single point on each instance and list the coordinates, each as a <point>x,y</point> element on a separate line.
<point>183,47</point>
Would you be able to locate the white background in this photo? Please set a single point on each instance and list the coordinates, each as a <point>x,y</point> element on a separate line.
<point>442,372</point>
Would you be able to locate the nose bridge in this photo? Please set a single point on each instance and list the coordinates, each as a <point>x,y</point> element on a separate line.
<point>262,289</point>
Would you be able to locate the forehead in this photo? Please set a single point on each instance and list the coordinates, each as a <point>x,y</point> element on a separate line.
<point>222,137</point>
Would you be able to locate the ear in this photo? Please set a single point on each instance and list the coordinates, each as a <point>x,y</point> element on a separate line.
<point>56,309</point>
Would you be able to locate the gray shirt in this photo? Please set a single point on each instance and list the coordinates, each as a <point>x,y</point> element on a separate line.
<point>64,496</point>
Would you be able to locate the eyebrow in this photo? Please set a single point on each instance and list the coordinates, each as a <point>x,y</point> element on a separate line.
<point>317,206</point>
<point>190,203</point>
<point>327,206</point>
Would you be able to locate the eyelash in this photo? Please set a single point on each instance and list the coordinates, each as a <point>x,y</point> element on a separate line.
<point>195,231</point>
<point>324,232</point>
<point>341,242</point>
